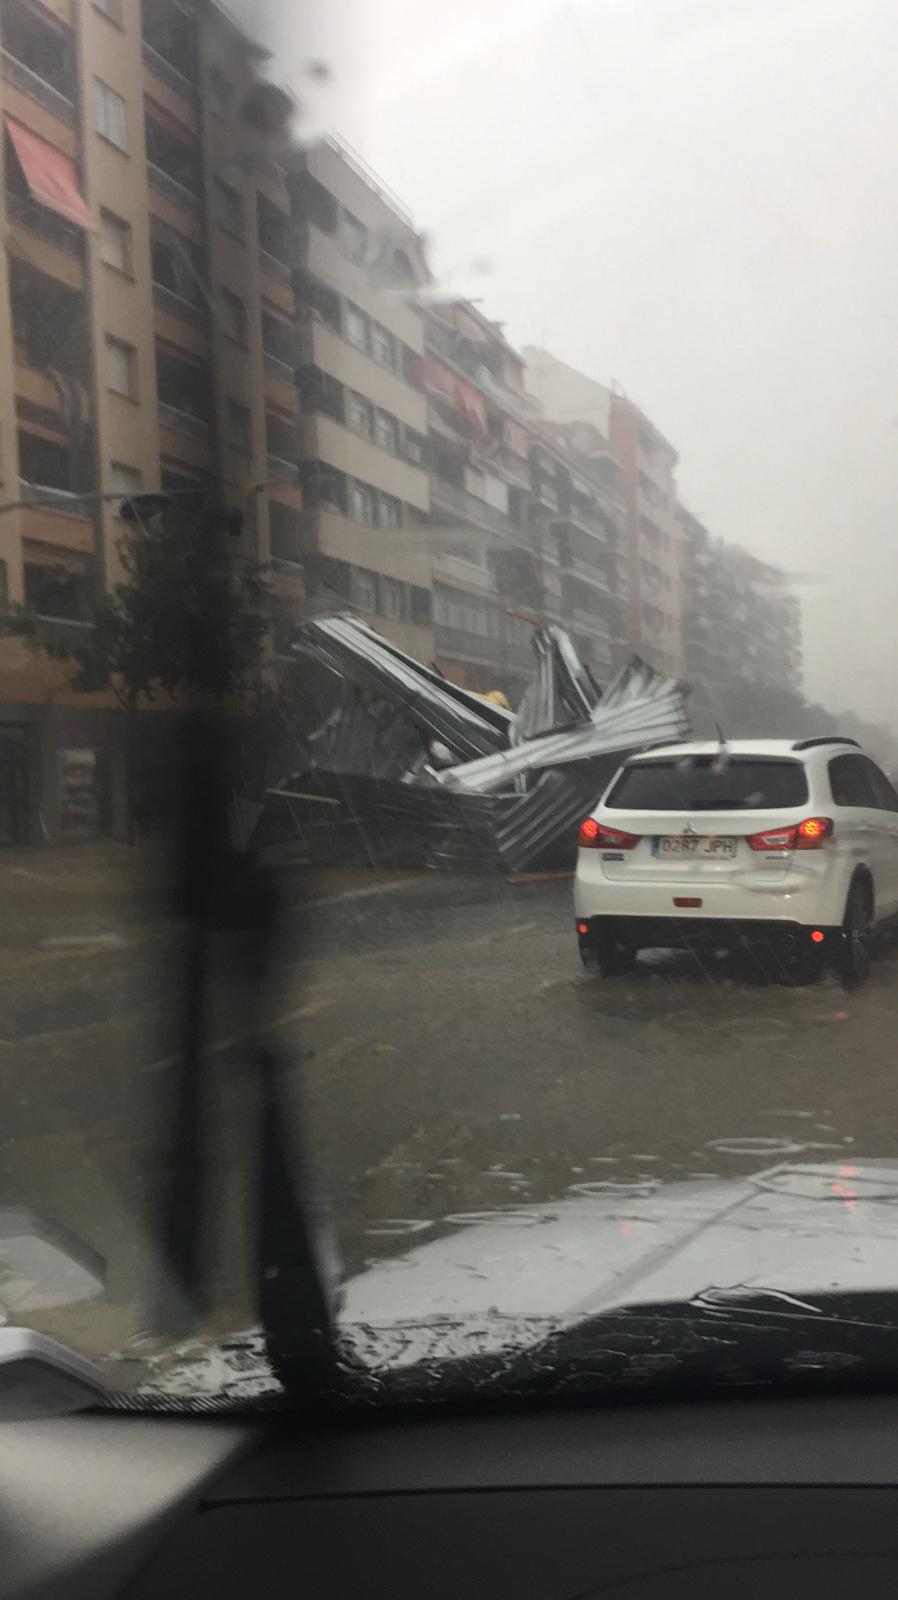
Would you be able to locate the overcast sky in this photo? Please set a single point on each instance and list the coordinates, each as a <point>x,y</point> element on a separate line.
<point>696,198</point>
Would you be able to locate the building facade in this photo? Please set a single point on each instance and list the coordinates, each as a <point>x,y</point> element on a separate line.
<point>645,469</point>
<point>356,264</point>
<point>741,622</point>
<point>143,298</point>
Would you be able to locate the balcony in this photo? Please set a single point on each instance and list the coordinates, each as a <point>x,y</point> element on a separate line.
<point>172,189</point>
<point>63,632</point>
<point>54,245</point>
<point>177,306</point>
<point>400,555</point>
<point>282,471</point>
<point>461,574</point>
<point>274,266</point>
<point>590,621</point>
<point>37,88</point>
<point>583,570</point>
<point>446,496</point>
<point>61,520</point>
<point>480,648</point>
<point>276,368</point>
<point>169,74</point>
<point>183,422</point>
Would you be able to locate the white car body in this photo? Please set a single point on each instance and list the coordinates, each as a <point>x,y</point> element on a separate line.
<point>801,890</point>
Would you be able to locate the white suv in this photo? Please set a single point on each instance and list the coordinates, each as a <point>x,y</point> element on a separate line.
<point>788,851</point>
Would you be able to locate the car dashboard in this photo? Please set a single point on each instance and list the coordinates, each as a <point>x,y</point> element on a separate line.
<point>744,1496</point>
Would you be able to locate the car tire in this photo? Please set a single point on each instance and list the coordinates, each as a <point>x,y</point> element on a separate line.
<point>615,960</point>
<point>801,968</point>
<point>857,933</point>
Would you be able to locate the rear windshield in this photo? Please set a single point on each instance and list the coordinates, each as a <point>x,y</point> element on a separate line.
<point>705,783</point>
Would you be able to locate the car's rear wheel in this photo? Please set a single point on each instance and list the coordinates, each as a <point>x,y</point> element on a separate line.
<point>608,954</point>
<point>857,934</point>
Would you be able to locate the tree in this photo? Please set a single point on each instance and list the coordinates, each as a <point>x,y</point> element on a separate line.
<point>188,620</point>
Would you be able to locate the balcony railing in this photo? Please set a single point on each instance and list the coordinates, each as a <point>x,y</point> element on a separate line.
<point>283,471</point>
<point>187,310</point>
<point>481,647</point>
<point>467,506</point>
<point>183,422</point>
<point>590,621</point>
<point>170,75</point>
<point>282,568</point>
<point>585,571</point>
<point>39,89</point>
<point>278,368</point>
<point>61,501</point>
<point>45,223</point>
<point>62,631</point>
<point>274,266</point>
<point>171,188</point>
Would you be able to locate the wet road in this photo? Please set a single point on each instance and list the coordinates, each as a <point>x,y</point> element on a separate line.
<point>450,1057</point>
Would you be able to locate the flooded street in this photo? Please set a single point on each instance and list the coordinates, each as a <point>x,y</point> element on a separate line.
<point>447,1058</point>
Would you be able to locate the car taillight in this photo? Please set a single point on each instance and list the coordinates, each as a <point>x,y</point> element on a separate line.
<point>807,835</point>
<point>595,836</point>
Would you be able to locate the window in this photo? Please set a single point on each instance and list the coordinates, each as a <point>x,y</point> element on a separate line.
<point>115,242</point>
<point>849,781</point>
<point>389,512</point>
<point>230,208</point>
<point>110,115</point>
<point>365,590</point>
<point>233,316</point>
<point>355,237</point>
<point>884,796</point>
<point>121,367</point>
<point>386,432</point>
<point>391,599</point>
<point>383,346</point>
<point>702,784</point>
<point>355,327</point>
<point>240,427</point>
<point>358,412</point>
<point>361,504</point>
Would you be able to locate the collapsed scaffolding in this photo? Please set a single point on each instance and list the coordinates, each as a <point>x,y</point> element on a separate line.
<point>410,769</point>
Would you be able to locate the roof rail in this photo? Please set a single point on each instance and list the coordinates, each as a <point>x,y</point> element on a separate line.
<point>829,738</point>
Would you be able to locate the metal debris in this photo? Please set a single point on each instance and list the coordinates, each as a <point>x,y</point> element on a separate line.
<point>409,768</point>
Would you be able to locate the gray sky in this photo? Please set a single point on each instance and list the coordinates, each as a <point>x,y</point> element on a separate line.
<point>694,197</point>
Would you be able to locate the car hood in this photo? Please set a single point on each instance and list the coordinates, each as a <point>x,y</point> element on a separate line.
<point>506,1280</point>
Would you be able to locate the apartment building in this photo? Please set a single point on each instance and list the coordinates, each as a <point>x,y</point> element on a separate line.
<point>146,319</point>
<point>741,624</point>
<point>577,498</point>
<point>493,564</point>
<point>646,465</point>
<point>356,266</point>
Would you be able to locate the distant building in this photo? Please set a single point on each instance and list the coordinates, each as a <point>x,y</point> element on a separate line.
<point>741,622</point>
<point>492,561</point>
<point>646,464</point>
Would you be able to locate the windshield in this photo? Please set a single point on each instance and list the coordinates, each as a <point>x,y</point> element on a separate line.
<point>706,783</point>
<point>420,428</point>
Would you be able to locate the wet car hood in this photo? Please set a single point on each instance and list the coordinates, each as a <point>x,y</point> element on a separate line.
<point>506,1280</point>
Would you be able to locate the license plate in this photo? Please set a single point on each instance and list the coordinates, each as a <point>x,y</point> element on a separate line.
<point>707,847</point>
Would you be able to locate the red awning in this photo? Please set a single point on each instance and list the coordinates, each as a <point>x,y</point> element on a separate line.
<point>50,175</point>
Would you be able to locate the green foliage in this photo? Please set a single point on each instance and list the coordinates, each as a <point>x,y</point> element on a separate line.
<point>188,619</point>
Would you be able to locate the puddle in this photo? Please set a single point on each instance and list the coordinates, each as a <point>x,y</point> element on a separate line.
<point>636,1191</point>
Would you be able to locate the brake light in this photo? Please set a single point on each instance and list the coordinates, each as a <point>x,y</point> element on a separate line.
<point>594,836</point>
<point>810,834</point>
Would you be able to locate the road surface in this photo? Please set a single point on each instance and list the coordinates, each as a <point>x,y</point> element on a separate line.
<point>445,1055</point>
